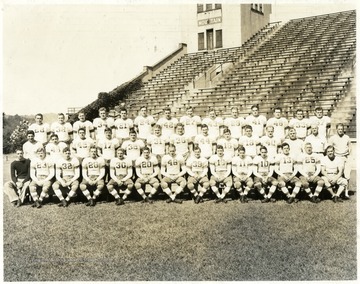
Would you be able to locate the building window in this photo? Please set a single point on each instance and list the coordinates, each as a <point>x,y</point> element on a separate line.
<point>200,8</point>
<point>257,8</point>
<point>219,39</point>
<point>201,41</point>
<point>208,7</point>
<point>217,6</point>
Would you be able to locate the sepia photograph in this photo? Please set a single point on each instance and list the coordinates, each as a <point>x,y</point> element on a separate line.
<point>179,140</point>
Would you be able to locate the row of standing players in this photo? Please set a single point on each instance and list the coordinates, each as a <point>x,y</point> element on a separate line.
<point>224,150</point>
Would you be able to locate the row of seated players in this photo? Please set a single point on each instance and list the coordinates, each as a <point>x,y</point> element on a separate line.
<point>174,174</point>
<point>143,124</point>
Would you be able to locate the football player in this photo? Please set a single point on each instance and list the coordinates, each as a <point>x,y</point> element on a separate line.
<point>81,145</point>
<point>147,169</point>
<point>197,169</point>
<point>300,123</point>
<point>123,124</point>
<point>205,142</point>
<point>54,149</point>
<point>322,121</point>
<point>250,142</point>
<point>133,146</point>
<point>41,130</point>
<point>256,121</point>
<point>167,123</point>
<point>85,124</point>
<point>31,145</point>
<point>64,130</point>
<point>102,122</point>
<point>121,171</point>
<point>215,124</point>
<point>271,142</point>
<point>229,144</point>
<point>242,170</point>
<point>318,142</point>
<point>143,124</point>
<point>220,169</point>
<point>93,172</point>
<point>41,172</point>
<point>235,123</point>
<point>157,143</point>
<point>173,170</point>
<point>67,177</point>
<point>191,123</point>
<point>279,123</point>
<point>182,143</point>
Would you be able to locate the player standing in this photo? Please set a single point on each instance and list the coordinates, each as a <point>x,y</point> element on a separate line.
<point>322,121</point>
<point>64,130</point>
<point>279,123</point>
<point>182,143</point>
<point>235,123</point>
<point>31,146</point>
<point>229,144</point>
<point>101,123</point>
<point>214,123</point>
<point>123,124</point>
<point>300,123</point>
<point>271,142</point>
<point>54,149</point>
<point>256,121</point>
<point>167,123</point>
<point>41,130</point>
<point>143,124</point>
<point>191,123</point>
<point>249,141</point>
<point>205,142</point>
<point>85,124</point>
<point>81,145</point>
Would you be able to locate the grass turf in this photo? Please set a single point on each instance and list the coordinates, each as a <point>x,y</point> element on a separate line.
<point>160,241</point>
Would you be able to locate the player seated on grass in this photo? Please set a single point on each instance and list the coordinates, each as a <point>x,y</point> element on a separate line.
<point>20,179</point>
<point>332,169</point>
<point>121,172</point>
<point>242,171</point>
<point>263,171</point>
<point>93,172</point>
<point>41,173</point>
<point>67,177</point>
<point>173,170</point>
<point>309,169</point>
<point>286,168</point>
<point>220,169</point>
<point>147,169</point>
<point>197,169</point>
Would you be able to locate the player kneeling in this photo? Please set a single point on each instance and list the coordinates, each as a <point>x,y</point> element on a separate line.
<point>67,177</point>
<point>310,170</point>
<point>263,171</point>
<point>220,168</point>
<point>147,169</point>
<point>93,172</point>
<point>173,169</point>
<point>286,170</point>
<point>41,173</point>
<point>332,170</point>
<point>197,169</point>
<point>121,172</point>
<point>242,170</point>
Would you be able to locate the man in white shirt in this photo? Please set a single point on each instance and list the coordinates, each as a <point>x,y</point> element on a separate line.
<point>322,121</point>
<point>64,130</point>
<point>256,121</point>
<point>143,124</point>
<point>167,123</point>
<point>300,123</point>
<point>214,123</point>
<point>235,123</point>
<point>279,123</point>
<point>191,123</point>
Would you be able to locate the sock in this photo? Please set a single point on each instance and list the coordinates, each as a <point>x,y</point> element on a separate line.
<point>295,191</point>
<point>70,195</point>
<point>225,191</point>
<point>317,190</point>
<point>271,191</point>
<point>308,191</point>
<point>246,190</point>
<point>153,190</point>
<point>97,192</point>
<point>87,194</point>
<point>168,191</point>
<point>216,191</point>
<point>142,193</point>
<point>285,191</point>
<point>126,193</point>
<point>59,194</point>
<point>115,193</point>
<point>340,190</point>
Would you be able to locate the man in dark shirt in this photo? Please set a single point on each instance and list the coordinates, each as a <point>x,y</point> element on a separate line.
<point>20,179</point>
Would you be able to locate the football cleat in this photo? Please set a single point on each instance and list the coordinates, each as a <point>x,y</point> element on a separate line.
<point>218,200</point>
<point>346,197</point>
<point>38,204</point>
<point>92,202</point>
<point>313,199</point>
<point>18,203</point>
<point>178,201</point>
<point>168,200</point>
<point>265,200</point>
<point>290,200</point>
<point>118,201</point>
<point>197,199</point>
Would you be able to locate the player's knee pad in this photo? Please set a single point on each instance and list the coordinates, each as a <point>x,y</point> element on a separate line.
<point>321,182</point>
<point>274,183</point>
<point>281,184</point>
<point>250,184</point>
<point>190,186</point>
<point>257,185</point>
<point>212,182</point>
<point>206,185</point>
<point>164,185</point>
<point>237,184</point>
<point>298,183</point>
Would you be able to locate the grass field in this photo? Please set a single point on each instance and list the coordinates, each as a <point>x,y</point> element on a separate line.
<point>188,241</point>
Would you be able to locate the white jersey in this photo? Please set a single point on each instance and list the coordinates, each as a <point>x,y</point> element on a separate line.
<point>214,126</point>
<point>250,144</point>
<point>321,123</point>
<point>100,125</point>
<point>55,151</point>
<point>310,163</point>
<point>230,146</point>
<point>318,143</point>
<point>181,143</point>
<point>133,148</point>
<point>167,126</point>
<point>205,143</point>
<point>63,131</point>
<point>157,144</point>
<point>30,149</point>
<point>41,131</point>
<point>220,164</point>
<point>242,166</point>
<point>341,144</point>
<point>108,147</point>
<point>121,166</point>
<point>67,167</point>
<point>285,164</point>
<point>87,125</point>
<point>197,165</point>
<point>332,167</point>
<point>146,166</point>
<point>122,128</point>
<point>296,147</point>
<point>144,125</point>
<point>93,166</point>
<point>262,165</point>
<point>279,125</point>
<point>271,145</point>
<point>172,165</point>
<point>42,166</point>
<point>301,126</point>
<point>82,146</point>
<point>190,125</point>
<point>235,125</point>
<point>257,123</point>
